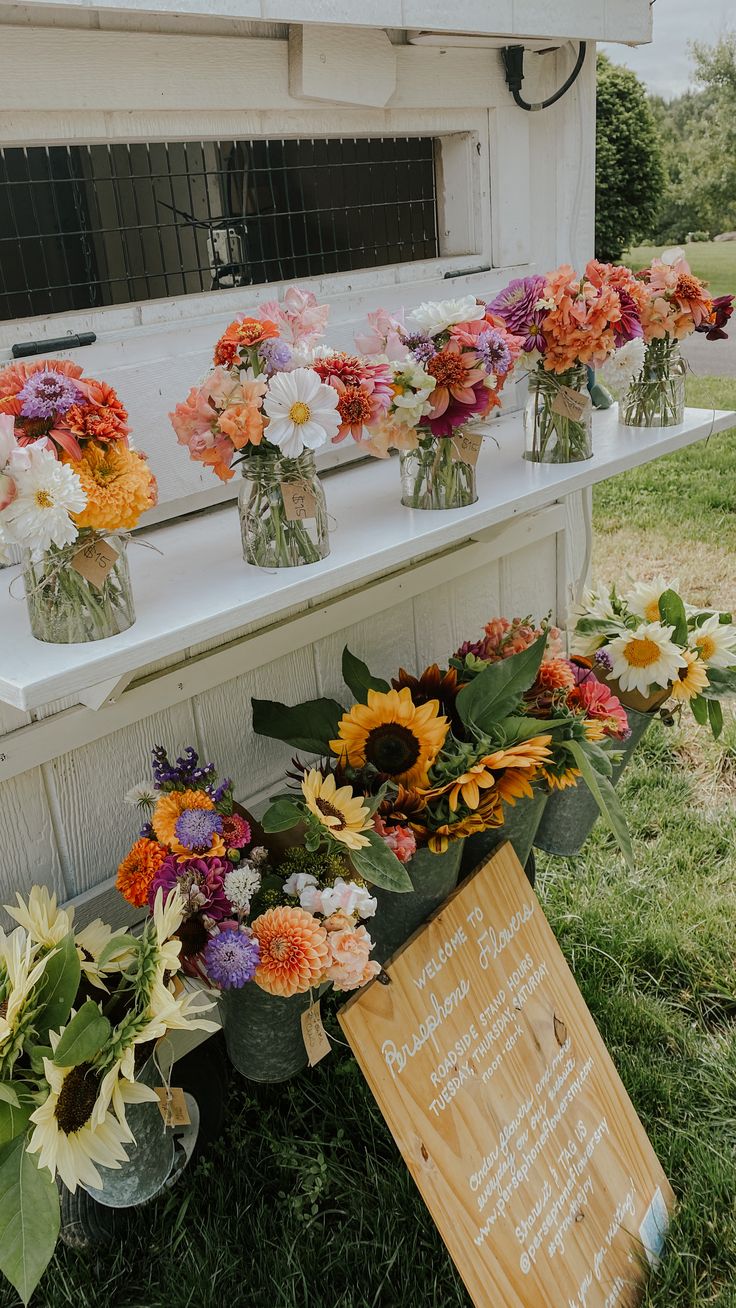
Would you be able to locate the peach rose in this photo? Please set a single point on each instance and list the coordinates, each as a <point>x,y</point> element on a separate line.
<point>350,964</point>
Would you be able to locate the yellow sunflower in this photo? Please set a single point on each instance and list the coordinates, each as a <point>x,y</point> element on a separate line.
<point>343,814</point>
<point>399,738</point>
<point>691,679</point>
<point>564,780</point>
<point>489,813</point>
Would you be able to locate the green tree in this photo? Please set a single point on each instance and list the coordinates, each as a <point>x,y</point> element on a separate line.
<point>629,173</point>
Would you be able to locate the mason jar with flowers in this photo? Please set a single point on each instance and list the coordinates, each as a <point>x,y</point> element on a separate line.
<point>71,489</point>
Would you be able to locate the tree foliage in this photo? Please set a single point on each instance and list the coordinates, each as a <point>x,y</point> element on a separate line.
<point>629,171</point>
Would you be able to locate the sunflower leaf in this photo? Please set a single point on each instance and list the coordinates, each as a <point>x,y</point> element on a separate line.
<point>377,864</point>
<point>281,816</point>
<point>607,800</point>
<point>14,1117</point>
<point>309,726</point>
<point>721,683</point>
<point>699,709</point>
<point>29,1217</point>
<point>715,717</point>
<point>8,1094</point>
<point>84,1037</point>
<point>672,613</point>
<point>115,945</point>
<point>358,679</point>
<point>58,987</point>
<point>496,693</point>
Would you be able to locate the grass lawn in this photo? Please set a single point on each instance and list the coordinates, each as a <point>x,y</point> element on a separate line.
<point>714,261</point>
<point>307,1204</point>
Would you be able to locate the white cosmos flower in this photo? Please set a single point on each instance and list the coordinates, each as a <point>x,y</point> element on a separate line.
<point>645,658</point>
<point>644,596</point>
<point>302,411</point>
<point>435,316</point>
<point>47,492</point>
<point>714,642</point>
<point>623,366</point>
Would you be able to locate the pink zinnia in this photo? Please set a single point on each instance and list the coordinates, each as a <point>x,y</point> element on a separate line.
<point>598,702</point>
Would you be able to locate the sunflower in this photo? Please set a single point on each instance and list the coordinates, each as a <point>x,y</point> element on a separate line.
<point>21,971</point>
<point>433,683</point>
<point>561,780</point>
<point>45,923</point>
<point>488,814</point>
<point>65,1136</point>
<point>342,813</point>
<point>692,679</point>
<point>645,658</point>
<point>90,942</point>
<point>714,642</point>
<point>118,484</point>
<point>391,733</point>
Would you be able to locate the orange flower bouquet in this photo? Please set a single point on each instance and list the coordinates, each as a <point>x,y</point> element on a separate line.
<point>71,486</point>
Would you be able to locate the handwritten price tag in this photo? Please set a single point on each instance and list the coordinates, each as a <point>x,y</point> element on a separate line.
<point>299,501</point>
<point>466,447</point>
<point>570,403</point>
<point>94,561</point>
<point>173,1106</point>
<point>315,1037</point>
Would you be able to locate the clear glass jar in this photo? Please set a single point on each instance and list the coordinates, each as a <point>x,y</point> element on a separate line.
<point>66,607</point>
<point>435,476</point>
<point>283,514</point>
<point>657,397</point>
<point>558,418</point>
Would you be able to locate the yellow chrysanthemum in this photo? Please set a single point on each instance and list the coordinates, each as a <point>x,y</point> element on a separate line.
<point>168,810</point>
<point>343,814</point>
<point>400,739</point>
<point>118,483</point>
<point>691,679</point>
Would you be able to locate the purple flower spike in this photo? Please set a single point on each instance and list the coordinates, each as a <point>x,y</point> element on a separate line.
<point>231,959</point>
<point>603,659</point>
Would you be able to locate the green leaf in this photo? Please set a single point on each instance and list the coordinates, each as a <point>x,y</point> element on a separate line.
<point>373,802</point>
<point>8,1094</point>
<point>721,683</point>
<point>380,866</point>
<point>29,1217</point>
<point>281,816</point>
<point>607,800</point>
<point>358,679</point>
<point>715,717</point>
<point>596,626</point>
<point>84,1037</point>
<point>672,612</point>
<point>58,987</point>
<point>496,693</point>
<point>699,708</point>
<point>310,726</point>
<point>37,1053</point>
<point>115,945</point>
<point>14,1120</point>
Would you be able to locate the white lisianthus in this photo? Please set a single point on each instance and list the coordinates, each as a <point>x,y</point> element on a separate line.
<point>297,883</point>
<point>714,642</point>
<point>414,387</point>
<point>435,316</point>
<point>47,493</point>
<point>645,658</point>
<point>302,411</point>
<point>644,596</point>
<point>623,366</point>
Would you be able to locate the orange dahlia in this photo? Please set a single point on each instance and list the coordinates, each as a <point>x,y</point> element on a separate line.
<point>554,674</point>
<point>118,483</point>
<point>137,870</point>
<point>170,807</point>
<point>294,951</point>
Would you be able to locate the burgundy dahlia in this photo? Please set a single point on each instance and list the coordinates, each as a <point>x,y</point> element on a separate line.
<point>199,882</point>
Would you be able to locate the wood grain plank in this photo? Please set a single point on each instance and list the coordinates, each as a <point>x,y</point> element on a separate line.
<point>385,642</point>
<point>448,615</point>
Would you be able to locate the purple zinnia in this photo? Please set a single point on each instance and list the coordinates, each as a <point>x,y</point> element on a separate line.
<point>231,959</point>
<point>516,304</point>
<point>47,394</point>
<point>195,828</point>
<point>199,882</point>
<point>603,659</point>
<point>275,355</point>
<point>420,346</point>
<point>493,351</point>
<point>629,327</point>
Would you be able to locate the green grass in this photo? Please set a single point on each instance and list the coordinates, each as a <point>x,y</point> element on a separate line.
<point>714,261</point>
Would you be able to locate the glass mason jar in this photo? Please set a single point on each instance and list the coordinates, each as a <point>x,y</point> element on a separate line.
<point>657,397</point>
<point>283,514</point>
<point>558,418</point>
<point>67,606</point>
<point>435,476</point>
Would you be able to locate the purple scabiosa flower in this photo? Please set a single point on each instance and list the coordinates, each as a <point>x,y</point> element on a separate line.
<point>603,659</point>
<point>195,828</point>
<point>629,327</point>
<point>47,394</point>
<point>200,883</point>
<point>231,959</point>
<point>276,355</point>
<point>516,304</point>
<point>493,351</point>
<point>420,346</point>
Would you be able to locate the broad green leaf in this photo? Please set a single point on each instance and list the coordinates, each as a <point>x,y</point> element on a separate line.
<point>721,683</point>
<point>58,987</point>
<point>715,717</point>
<point>517,729</point>
<point>601,759</point>
<point>373,803</point>
<point>607,800</point>
<point>84,1037</point>
<point>29,1217</point>
<point>672,612</point>
<point>593,626</point>
<point>8,1094</point>
<point>14,1120</point>
<point>37,1053</point>
<point>310,726</point>
<point>358,678</point>
<point>115,945</point>
<point>699,708</point>
<point>281,816</point>
<point>379,865</point>
<point>496,693</point>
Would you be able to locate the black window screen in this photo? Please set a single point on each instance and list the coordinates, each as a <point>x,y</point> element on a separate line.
<point>85,226</point>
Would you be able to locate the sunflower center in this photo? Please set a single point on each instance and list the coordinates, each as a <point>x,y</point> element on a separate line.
<point>77,1098</point>
<point>392,748</point>
<point>651,611</point>
<point>300,413</point>
<point>354,405</point>
<point>447,369</point>
<point>43,500</point>
<point>641,653</point>
<point>330,811</point>
<point>706,645</point>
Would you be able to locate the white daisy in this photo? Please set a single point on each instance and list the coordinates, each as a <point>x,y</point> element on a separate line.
<point>644,596</point>
<point>39,515</point>
<point>143,796</point>
<point>714,642</point>
<point>623,366</point>
<point>435,316</point>
<point>645,658</point>
<point>302,411</point>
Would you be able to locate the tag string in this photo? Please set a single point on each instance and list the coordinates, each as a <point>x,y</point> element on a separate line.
<point>64,554</point>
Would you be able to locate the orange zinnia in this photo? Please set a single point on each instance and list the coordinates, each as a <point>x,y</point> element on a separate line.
<point>294,951</point>
<point>137,870</point>
<point>118,483</point>
<point>241,335</point>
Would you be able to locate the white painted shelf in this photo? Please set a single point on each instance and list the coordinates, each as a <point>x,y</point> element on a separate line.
<point>198,588</point>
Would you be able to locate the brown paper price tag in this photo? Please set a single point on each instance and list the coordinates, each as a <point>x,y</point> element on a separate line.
<point>299,500</point>
<point>570,403</point>
<point>315,1037</point>
<point>173,1106</point>
<point>466,446</point>
<point>94,561</point>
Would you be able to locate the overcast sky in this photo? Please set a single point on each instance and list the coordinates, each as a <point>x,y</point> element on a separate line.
<point>665,65</point>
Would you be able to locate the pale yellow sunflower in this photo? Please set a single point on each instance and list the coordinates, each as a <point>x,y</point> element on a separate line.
<point>692,679</point>
<point>400,739</point>
<point>344,814</point>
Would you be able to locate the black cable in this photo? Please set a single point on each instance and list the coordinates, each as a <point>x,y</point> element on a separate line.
<point>513,62</point>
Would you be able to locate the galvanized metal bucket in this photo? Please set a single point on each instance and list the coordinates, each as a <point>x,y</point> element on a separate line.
<point>570,815</point>
<point>150,1159</point>
<point>434,877</point>
<point>263,1032</point>
<point>520,827</point>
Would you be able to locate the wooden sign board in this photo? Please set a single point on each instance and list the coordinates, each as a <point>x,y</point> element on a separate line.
<point>507,1108</point>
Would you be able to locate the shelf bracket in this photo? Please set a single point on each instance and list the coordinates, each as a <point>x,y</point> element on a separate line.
<point>105,692</point>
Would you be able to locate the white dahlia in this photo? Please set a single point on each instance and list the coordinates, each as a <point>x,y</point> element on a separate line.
<point>302,411</point>
<point>435,316</point>
<point>47,493</point>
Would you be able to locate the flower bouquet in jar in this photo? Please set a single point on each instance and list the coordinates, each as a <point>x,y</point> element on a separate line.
<point>82,1011</point>
<point>674,303</point>
<point>265,409</point>
<point>71,489</point>
<point>448,364</point>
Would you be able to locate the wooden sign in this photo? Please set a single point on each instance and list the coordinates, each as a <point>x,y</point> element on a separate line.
<point>507,1108</point>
